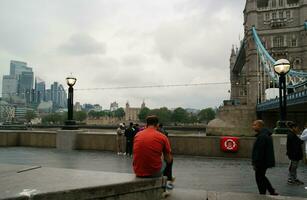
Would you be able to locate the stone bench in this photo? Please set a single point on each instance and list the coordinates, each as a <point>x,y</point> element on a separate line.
<point>19,182</point>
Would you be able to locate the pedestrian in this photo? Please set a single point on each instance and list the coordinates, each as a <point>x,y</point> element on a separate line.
<point>152,150</point>
<point>120,139</point>
<point>304,136</point>
<point>263,157</point>
<point>129,134</point>
<point>168,171</point>
<point>294,152</point>
<point>162,129</point>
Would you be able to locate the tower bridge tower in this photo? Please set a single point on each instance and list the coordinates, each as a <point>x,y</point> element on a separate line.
<point>282,28</point>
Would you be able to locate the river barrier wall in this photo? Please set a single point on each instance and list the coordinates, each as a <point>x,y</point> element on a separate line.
<point>192,145</point>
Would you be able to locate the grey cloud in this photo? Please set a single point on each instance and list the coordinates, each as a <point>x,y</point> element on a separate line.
<point>133,60</point>
<point>83,44</point>
<point>199,39</point>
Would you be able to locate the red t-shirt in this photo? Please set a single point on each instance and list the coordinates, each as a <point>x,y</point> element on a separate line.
<point>148,147</point>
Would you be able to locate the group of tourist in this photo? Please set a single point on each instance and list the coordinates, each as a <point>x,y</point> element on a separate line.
<point>263,154</point>
<point>125,138</point>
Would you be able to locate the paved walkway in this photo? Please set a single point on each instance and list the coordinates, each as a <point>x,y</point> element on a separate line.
<point>192,173</point>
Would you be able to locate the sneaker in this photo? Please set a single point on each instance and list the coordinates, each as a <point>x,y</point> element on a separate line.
<point>165,194</point>
<point>274,193</point>
<point>118,153</point>
<point>298,182</point>
<point>173,179</point>
<point>291,182</point>
<point>169,186</point>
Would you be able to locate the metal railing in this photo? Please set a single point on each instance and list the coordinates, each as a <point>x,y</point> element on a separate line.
<point>292,99</point>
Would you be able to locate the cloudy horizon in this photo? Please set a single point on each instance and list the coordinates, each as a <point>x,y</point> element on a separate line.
<point>117,44</point>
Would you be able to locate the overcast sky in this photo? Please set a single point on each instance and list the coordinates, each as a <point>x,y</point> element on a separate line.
<point>106,43</point>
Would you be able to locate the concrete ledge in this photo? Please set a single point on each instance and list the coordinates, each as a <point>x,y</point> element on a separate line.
<point>66,184</point>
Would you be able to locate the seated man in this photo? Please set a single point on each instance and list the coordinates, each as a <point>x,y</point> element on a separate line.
<point>152,150</point>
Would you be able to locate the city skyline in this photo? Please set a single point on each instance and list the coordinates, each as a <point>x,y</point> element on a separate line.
<point>117,44</point>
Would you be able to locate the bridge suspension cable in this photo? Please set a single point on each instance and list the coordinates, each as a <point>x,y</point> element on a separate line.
<point>295,78</point>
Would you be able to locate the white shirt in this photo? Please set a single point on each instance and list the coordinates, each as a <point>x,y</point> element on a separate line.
<point>304,135</point>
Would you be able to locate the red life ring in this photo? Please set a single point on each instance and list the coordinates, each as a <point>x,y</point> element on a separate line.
<point>229,144</point>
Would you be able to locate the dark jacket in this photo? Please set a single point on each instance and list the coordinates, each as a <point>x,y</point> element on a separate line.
<point>294,147</point>
<point>129,133</point>
<point>263,150</point>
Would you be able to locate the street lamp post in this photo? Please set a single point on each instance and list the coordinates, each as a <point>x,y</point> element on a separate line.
<point>282,67</point>
<point>70,123</point>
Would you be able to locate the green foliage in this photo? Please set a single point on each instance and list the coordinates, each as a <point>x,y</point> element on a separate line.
<point>119,113</point>
<point>144,112</point>
<point>54,118</point>
<point>207,114</point>
<point>180,115</point>
<point>164,115</point>
<point>30,114</point>
<point>80,116</point>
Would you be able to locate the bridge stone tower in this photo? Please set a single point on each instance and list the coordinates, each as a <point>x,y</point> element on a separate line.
<point>280,26</point>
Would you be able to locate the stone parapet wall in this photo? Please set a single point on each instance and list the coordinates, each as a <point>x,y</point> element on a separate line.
<point>28,138</point>
<point>182,145</point>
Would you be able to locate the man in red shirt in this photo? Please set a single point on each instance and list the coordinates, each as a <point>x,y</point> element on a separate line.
<point>151,150</point>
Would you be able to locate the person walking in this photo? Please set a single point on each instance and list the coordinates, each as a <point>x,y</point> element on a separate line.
<point>263,157</point>
<point>294,152</point>
<point>304,137</point>
<point>120,139</point>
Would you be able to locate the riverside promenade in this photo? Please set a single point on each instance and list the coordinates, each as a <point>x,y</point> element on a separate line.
<point>194,175</point>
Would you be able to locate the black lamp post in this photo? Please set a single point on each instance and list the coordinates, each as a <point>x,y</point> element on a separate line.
<point>282,67</point>
<point>70,123</point>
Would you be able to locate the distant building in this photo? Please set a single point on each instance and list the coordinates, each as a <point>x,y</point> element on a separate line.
<point>48,95</point>
<point>132,114</point>
<point>17,67</point>
<point>7,112</point>
<point>24,75</point>
<point>77,106</point>
<point>20,113</point>
<point>88,107</point>
<point>40,90</point>
<point>113,106</point>
<point>54,92</point>
<point>97,107</point>
<point>25,86</point>
<point>58,96</point>
<point>62,97</point>
<point>9,87</point>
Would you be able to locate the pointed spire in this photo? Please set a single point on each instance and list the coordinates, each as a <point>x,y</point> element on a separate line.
<point>233,53</point>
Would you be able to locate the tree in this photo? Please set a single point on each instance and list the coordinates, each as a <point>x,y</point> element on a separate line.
<point>164,115</point>
<point>144,112</point>
<point>93,114</point>
<point>119,113</point>
<point>30,114</point>
<point>180,115</point>
<point>207,114</point>
<point>54,118</point>
<point>80,116</point>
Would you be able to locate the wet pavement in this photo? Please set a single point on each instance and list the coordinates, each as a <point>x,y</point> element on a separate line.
<point>194,173</point>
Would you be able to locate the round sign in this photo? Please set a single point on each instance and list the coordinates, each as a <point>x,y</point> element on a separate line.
<point>230,144</point>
